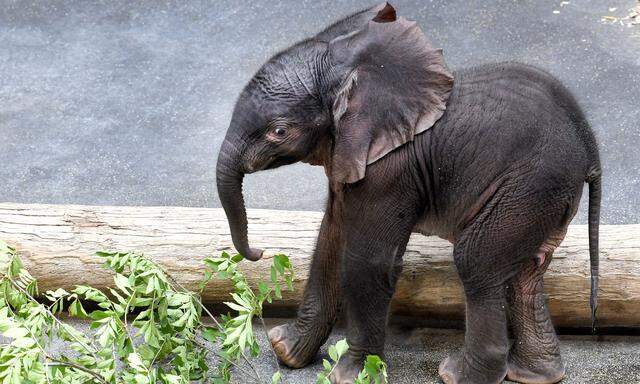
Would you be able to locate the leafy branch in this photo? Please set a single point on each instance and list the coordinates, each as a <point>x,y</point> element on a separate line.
<point>146,329</point>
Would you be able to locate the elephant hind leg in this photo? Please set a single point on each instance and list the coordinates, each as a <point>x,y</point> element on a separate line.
<point>489,254</point>
<point>534,357</point>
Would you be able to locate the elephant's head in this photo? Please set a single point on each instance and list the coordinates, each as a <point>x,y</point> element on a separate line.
<point>342,99</point>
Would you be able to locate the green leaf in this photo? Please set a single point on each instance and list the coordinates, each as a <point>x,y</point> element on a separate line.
<point>122,283</point>
<point>76,310</point>
<point>246,303</point>
<point>236,307</point>
<point>277,263</point>
<point>58,293</point>
<point>105,254</point>
<point>233,336</point>
<point>289,281</point>
<point>374,371</point>
<point>211,334</point>
<point>16,332</point>
<point>277,376</point>
<point>181,321</point>
<point>342,347</point>
<point>136,362</point>
<point>333,353</point>
<point>262,288</point>
<point>23,342</point>
<point>151,285</point>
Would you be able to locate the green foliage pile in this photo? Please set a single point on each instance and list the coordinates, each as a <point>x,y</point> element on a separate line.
<point>146,329</point>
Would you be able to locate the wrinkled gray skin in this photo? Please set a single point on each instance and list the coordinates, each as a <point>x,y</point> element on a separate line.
<point>492,158</point>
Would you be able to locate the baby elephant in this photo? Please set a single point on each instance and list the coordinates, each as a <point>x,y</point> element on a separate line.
<point>491,158</point>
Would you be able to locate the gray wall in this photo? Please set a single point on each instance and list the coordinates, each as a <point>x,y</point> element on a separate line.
<point>126,103</point>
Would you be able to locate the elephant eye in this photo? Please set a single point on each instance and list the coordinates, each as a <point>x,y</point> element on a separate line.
<point>280,131</point>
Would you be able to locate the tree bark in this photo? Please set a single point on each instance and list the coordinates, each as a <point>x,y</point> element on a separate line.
<point>57,244</point>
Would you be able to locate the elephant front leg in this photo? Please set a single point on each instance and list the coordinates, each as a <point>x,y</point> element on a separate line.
<point>297,343</point>
<point>371,265</point>
<point>368,283</point>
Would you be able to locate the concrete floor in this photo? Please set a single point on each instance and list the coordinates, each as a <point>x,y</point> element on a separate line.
<point>413,356</point>
<point>126,102</point>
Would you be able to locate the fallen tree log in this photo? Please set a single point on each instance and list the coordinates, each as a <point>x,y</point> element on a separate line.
<point>58,243</point>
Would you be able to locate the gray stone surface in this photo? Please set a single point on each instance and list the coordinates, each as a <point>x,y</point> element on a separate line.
<point>126,102</point>
<point>413,355</point>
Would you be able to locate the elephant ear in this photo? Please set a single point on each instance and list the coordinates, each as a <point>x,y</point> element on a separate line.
<point>356,21</point>
<point>395,85</point>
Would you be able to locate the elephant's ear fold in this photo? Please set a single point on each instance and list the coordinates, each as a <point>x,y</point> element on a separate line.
<point>395,85</point>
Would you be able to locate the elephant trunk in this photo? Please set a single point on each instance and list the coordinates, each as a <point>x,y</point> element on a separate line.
<point>229,175</point>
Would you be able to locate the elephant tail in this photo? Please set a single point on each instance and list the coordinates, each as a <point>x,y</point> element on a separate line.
<point>595,192</point>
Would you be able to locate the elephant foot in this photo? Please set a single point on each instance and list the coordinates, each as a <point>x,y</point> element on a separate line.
<point>450,370</point>
<point>536,373</point>
<point>453,371</point>
<point>346,371</point>
<point>293,349</point>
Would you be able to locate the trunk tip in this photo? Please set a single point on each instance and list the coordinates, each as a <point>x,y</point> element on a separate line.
<point>254,254</point>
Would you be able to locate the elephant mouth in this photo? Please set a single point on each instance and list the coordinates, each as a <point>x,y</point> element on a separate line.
<point>275,162</point>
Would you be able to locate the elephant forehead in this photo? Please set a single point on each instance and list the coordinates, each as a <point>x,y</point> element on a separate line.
<point>289,73</point>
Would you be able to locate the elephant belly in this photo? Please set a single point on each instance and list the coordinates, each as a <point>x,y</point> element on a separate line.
<point>429,227</point>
